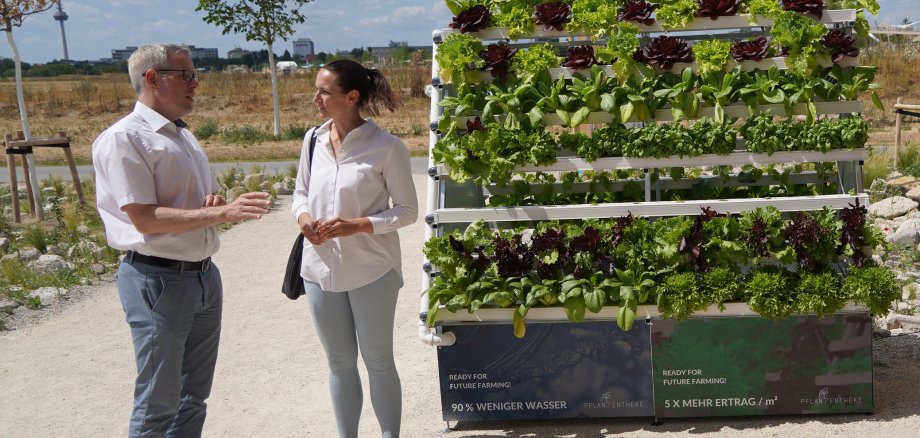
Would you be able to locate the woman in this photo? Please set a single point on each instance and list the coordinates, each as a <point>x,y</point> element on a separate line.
<point>350,198</point>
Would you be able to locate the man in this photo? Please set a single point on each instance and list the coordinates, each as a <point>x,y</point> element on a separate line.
<point>156,196</point>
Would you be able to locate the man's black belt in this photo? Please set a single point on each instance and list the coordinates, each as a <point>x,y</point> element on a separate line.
<point>160,262</point>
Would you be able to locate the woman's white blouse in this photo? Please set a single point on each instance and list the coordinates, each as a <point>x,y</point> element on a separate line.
<point>371,177</point>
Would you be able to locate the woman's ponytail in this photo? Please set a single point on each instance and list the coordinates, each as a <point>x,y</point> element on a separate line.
<point>373,88</point>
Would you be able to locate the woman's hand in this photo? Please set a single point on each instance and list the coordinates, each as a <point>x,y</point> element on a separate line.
<point>338,227</point>
<point>308,228</point>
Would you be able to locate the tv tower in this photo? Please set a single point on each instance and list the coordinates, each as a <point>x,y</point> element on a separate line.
<point>61,16</point>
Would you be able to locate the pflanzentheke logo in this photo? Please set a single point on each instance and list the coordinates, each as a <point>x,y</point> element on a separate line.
<point>608,402</point>
<point>826,398</point>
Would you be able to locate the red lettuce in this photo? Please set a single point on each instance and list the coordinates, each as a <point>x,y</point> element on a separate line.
<point>754,50</point>
<point>638,11</point>
<point>580,57</point>
<point>665,51</point>
<point>854,221</point>
<point>472,20</point>
<point>717,8</point>
<point>553,16</point>
<point>840,45</point>
<point>497,59</point>
<point>815,7</point>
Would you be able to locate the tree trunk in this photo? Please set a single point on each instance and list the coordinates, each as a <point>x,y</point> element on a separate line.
<point>274,75</point>
<point>27,133</point>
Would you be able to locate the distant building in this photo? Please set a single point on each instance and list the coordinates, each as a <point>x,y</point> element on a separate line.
<point>382,55</point>
<point>302,47</point>
<point>122,55</point>
<point>237,53</point>
<point>203,53</point>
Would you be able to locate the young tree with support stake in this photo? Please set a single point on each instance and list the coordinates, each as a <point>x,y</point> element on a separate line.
<point>260,20</point>
<point>12,13</point>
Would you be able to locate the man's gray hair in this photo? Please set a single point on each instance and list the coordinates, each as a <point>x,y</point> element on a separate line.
<point>152,56</point>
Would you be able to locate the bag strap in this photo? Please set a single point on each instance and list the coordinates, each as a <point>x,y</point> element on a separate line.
<point>312,146</point>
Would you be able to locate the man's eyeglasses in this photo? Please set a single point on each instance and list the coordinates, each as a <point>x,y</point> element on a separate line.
<point>187,75</point>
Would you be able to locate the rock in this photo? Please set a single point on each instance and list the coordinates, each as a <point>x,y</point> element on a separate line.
<point>9,257</point>
<point>4,243</point>
<point>281,189</point>
<point>904,183</point>
<point>904,307</point>
<point>913,194</point>
<point>98,268</point>
<point>59,248</point>
<point>908,233</point>
<point>259,178</point>
<point>234,193</point>
<point>895,321</point>
<point>47,295</point>
<point>49,191</point>
<point>86,248</point>
<point>881,332</point>
<point>7,304</point>
<point>264,186</point>
<point>83,229</point>
<point>50,263</point>
<point>29,254</point>
<point>893,207</point>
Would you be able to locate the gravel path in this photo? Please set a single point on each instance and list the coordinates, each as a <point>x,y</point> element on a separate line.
<point>71,375</point>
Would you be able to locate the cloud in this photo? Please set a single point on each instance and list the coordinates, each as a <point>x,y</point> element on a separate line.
<point>325,13</point>
<point>164,26</point>
<point>399,15</point>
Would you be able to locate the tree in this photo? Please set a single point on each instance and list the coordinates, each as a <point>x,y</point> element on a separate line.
<point>267,21</point>
<point>286,56</point>
<point>12,12</point>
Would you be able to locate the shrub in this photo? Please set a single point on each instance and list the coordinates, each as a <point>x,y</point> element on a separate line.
<point>207,130</point>
<point>294,132</point>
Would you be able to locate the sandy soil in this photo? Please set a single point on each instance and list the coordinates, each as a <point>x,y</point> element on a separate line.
<point>71,375</point>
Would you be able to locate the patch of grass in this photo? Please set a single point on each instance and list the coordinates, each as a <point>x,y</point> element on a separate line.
<point>34,235</point>
<point>230,178</point>
<point>18,273</point>
<point>69,221</point>
<point>207,130</point>
<point>909,160</point>
<point>294,132</point>
<point>245,134</point>
<point>878,165</point>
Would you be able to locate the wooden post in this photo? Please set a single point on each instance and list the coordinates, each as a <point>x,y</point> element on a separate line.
<point>897,134</point>
<point>14,188</point>
<point>73,169</point>
<point>25,175</point>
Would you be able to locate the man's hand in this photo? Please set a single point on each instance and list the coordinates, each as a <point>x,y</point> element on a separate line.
<point>213,200</point>
<point>308,228</point>
<point>338,227</point>
<point>247,206</point>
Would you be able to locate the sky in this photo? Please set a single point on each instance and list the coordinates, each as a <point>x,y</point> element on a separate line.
<point>95,27</point>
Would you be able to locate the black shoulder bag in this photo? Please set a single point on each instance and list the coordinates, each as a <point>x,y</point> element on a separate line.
<point>293,283</point>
